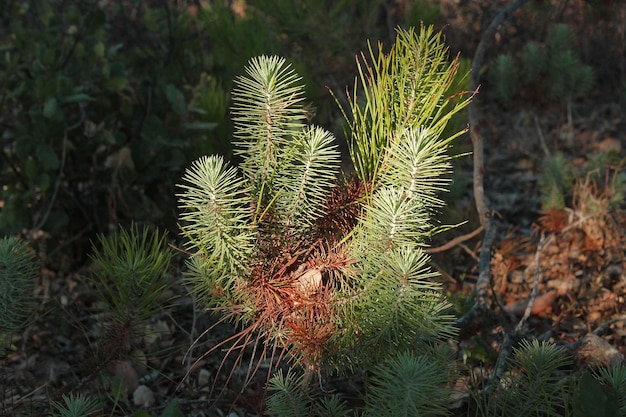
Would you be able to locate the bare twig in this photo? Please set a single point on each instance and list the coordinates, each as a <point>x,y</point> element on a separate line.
<point>469,251</point>
<point>481,304</point>
<point>533,293</point>
<point>509,338</point>
<point>455,242</point>
<point>475,133</point>
<point>482,285</point>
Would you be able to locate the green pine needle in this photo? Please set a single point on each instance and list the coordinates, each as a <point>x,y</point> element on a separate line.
<point>309,172</point>
<point>288,398</point>
<point>409,385</point>
<point>533,387</point>
<point>404,89</point>
<point>75,405</point>
<point>267,111</point>
<point>555,182</point>
<point>505,75</point>
<point>131,272</point>
<point>216,212</point>
<point>418,162</point>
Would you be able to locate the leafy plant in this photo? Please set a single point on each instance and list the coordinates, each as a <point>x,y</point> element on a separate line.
<point>18,270</point>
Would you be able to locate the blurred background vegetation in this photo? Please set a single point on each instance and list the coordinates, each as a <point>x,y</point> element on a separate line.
<point>103,104</point>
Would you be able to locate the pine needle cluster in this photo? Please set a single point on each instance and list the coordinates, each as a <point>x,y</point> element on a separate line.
<point>131,276</point>
<point>540,382</point>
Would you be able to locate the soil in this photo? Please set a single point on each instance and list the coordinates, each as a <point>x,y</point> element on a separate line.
<point>575,258</point>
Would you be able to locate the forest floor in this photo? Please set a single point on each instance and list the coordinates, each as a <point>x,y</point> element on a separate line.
<point>575,255</point>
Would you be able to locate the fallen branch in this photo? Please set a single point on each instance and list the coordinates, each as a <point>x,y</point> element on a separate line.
<point>481,304</point>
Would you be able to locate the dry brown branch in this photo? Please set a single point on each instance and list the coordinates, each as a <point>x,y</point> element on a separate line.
<point>481,305</point>
<point>475,133</point>
<point>455,242</point>
<point>482,285</point>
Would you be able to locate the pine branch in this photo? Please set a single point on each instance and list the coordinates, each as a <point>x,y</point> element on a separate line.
<point>394,219</point>
<point>310,168</point>
<point>418,161</point>
<point>217,215</point>
<point>404,89</point>
<point>267,111</point>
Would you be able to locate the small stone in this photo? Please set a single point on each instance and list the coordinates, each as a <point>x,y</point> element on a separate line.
<point>598,352</point>
<point>203,377</point>
<point>143,396</point>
